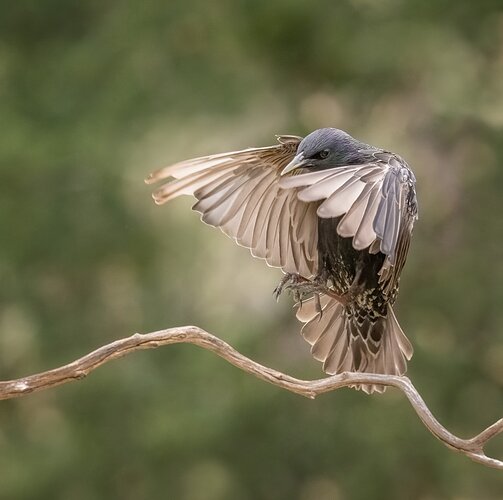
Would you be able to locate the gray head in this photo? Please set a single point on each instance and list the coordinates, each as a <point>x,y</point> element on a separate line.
<point>328,148</point>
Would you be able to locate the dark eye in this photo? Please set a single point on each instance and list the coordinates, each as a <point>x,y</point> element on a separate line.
<point>324,154</point>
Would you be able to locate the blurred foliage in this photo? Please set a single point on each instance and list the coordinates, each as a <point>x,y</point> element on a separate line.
<point>93,96</point>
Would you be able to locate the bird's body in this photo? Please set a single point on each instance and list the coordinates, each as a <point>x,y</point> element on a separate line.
<point>336,215</point>
<point>346,269</point>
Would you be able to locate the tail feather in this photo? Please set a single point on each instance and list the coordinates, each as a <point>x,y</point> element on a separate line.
<point>342,342</point>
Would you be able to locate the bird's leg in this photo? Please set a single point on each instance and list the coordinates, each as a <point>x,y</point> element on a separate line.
<point>322,284</point>
<point>356,286</point>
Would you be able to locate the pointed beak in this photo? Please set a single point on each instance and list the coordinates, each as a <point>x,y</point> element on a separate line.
<point>297,162</point>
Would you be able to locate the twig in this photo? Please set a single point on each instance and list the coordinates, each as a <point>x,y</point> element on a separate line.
<point>472,448</point>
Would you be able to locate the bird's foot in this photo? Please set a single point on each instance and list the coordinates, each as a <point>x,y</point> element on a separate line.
<point>288,281</point>
<point>299,286</point>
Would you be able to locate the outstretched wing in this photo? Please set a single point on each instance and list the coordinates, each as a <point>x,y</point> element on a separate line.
<point>376,202</point>
<point>243,193</point>
<point>239,193</point>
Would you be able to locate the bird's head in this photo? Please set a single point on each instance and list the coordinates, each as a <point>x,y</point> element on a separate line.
<point>327,148</point>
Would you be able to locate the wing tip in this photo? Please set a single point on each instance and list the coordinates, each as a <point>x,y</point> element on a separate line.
<point>159,199</point>
<point>158,175</point>
<point>151,179</point>
<point>162,173</point>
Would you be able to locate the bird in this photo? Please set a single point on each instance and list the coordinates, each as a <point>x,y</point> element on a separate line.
<point>336,215</point>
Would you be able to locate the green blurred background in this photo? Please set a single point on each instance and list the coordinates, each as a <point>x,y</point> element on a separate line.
<point>93,96</point>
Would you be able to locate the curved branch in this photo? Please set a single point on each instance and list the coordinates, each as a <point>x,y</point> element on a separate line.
<point>472,448</point>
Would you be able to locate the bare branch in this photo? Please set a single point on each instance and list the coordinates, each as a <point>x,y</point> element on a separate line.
<point>472,448</point>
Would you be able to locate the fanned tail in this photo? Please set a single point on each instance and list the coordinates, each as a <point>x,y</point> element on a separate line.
<point>345,341</point>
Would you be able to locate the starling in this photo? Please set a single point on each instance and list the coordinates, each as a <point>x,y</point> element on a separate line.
<point>336,215</point>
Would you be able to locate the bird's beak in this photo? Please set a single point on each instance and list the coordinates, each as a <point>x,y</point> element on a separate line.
<point>297,162</point>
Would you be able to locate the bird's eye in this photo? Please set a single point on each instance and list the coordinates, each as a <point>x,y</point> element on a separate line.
<point>324,154</point>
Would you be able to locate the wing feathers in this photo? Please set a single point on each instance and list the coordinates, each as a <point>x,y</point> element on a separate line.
<point>255,211</point>
<point>349,224</point>
<point>240,193</point>
<point>188,185</point>
<point>261,224</point>
<point>342,199</point>
<point>365,234</point>
<point>324,188</point>
<point>243,193</point>
<point>374,199</point>
<point>294,181</point>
